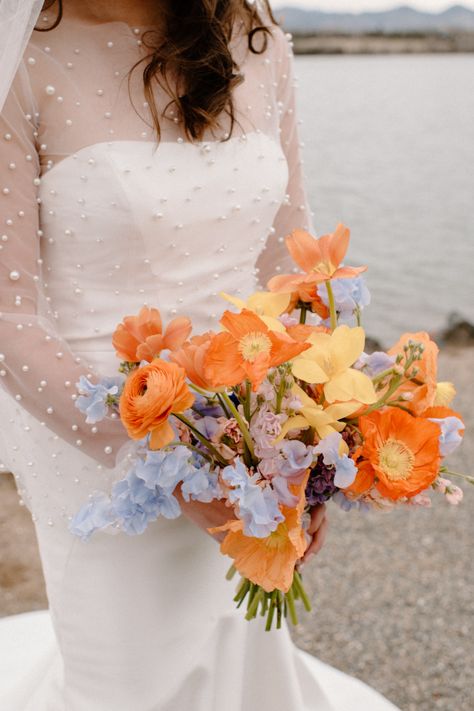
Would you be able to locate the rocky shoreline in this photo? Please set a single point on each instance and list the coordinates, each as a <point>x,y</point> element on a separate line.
<point>383,43</point>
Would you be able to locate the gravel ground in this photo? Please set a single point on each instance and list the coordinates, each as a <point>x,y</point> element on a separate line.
<point>394,602</point>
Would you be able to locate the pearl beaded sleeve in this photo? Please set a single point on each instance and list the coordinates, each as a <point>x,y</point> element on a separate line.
<point>37,367</point>
<point>295,211</point>
<point>115,224</point>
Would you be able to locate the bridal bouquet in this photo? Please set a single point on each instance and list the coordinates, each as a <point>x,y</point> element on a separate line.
<point>278,412</point>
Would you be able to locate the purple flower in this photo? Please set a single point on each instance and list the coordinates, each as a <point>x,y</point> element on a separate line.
<point>93,398</point>
<point>345,468</point>
<point>375,363</point>
<point>450,437</point>
<point>350,295</point>
<point>265,428</point>
<point>320,487</point>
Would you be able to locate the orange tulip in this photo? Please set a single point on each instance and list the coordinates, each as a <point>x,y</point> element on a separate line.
<point>318,258</point>
<point>191,356</point>
<point>268,562</point>
<point>246,350</point>
<point>151,394</point>
<point>141,337</point>
<point>422,391</point>
<point>400,452</point>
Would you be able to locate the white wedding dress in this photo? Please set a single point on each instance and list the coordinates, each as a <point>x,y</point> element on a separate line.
<point>96,220</point>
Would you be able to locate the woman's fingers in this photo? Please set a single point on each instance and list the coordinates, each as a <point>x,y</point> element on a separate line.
<point>318,541</point>
<point>317,517</point>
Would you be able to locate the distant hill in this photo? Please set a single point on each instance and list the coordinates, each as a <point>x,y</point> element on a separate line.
<point>400,19</point>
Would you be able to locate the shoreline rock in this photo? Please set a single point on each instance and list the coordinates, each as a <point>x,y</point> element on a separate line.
<point>383,43</point>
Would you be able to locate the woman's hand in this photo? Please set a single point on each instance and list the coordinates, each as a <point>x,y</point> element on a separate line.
<point>205,516</point>
<point>318,529</point>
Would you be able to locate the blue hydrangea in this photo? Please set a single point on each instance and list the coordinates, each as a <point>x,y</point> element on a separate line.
<point>258,506</point>
<point>350,295</point>
<point>450,437</point>
<point>345,467</point>
<point>93,400</point>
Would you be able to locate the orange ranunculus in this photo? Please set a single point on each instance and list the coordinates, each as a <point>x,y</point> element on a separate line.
<point>401,454</point>
<point>191,356</point>
<point>318,258</point>
<point>141,337</point>
<point>269,562</point>
<point>246,350</point>
<point>151,394</point>
<point>421,391</point>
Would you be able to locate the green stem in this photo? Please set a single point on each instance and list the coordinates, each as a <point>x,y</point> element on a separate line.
<point>247,402</point>
<point>384,374</point>
<point>332,305</point>
<point>280,394</point>
<point>243,427</point>
<point>178,443</point>
<point>303,313</point>
<point>298,583</point>
<point>199,390</point>
<point>231,572</point>
<point>393,387</point>
<point>291,606</point>
<point>466,477</point>
<point>202,439</point>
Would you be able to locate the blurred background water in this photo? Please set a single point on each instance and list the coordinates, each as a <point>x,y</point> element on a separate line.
<point>389,151</point>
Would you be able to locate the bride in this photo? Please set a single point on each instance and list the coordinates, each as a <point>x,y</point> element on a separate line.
<point>149,154</point>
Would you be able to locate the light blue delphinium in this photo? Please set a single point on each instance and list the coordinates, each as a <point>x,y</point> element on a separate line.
<point>450,437</point>
<point>94,516</point>
<point>136,505</point>
<point>348,505</point>
<point>350,295</point>
<point>165,467</point>
<point>258,507</point>
<point>93,400</point>
<point>346,469</point>
<point>290,467</point>
<point>201,485</point>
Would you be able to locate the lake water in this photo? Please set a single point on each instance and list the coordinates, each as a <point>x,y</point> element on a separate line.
<point>389,151</point>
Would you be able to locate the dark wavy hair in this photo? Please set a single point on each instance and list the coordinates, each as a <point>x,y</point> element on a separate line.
<point>194,48</point>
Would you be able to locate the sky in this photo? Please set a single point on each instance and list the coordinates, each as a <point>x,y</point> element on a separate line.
<point>363,5</point>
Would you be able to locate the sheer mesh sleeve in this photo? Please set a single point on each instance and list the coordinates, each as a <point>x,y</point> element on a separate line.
<point>295,212</point>
<point>37,366</point>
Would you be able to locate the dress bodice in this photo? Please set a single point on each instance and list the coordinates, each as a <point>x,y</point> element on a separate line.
<point>101,218</point>
<point>127,224</point>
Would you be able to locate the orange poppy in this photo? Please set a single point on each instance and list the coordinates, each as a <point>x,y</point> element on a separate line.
<point>141,337</point>
<point>421,391</point>
<point>302,331</point>
<point>269,562</point>
<point>319,258</point>
<point>401,454</point>
<point>246,350</point>
<point>151,394</point>
<point>191,356</point>
<point>309,296</point>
